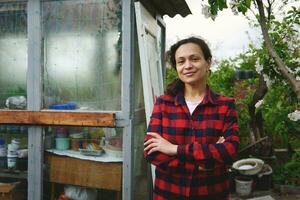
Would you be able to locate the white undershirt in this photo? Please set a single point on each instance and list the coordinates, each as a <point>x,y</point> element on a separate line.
<point>192,105</point>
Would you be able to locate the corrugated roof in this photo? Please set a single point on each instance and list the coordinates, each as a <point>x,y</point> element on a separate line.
<point>167,7</point>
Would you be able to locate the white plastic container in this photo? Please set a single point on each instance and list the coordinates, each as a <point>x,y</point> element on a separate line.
<point>12,161</point>
<point>3,152</point>
<point>15,143</point>
<point>243,186</point>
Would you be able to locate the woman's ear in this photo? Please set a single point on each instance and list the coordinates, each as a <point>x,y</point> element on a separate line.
<point>209,62</point>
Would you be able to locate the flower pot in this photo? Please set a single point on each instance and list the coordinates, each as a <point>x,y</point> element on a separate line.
<point>243,186</point>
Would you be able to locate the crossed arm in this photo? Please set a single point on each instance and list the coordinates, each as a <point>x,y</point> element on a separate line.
<point>158,143</point>
<point>194,156</point>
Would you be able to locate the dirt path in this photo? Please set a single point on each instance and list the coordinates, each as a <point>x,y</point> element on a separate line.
<point>272,193</point>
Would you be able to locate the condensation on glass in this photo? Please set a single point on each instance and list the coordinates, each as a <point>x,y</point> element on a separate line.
<point>13,55</point>
<point>82,54</point>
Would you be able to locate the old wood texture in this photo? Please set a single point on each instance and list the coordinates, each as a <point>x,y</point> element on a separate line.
<point>67,170</point>
<point>57,118</point>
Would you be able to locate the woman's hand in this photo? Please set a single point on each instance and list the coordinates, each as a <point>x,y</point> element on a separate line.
<point>220,140</point>
<point>158,143</point>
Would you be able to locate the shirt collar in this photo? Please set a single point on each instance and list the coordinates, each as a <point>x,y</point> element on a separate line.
<point>209,98</point>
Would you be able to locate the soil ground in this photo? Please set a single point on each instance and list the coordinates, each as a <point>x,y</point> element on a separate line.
<point>276,195</point>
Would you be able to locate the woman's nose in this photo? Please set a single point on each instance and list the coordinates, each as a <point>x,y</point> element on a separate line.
<point>187,64</point>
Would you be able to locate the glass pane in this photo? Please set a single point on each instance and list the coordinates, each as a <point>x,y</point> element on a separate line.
<point>138,85</point>
<point>13,161</point>
<point>82,161</point>
<point>82,48</point>
<point>142,175</point>
<point>141,171</point>
<point>13,55</point>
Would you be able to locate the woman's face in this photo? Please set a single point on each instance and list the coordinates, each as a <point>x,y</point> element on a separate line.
<point>191,66</point>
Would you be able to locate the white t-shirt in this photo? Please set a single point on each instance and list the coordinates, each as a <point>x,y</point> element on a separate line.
<point>192,105</point>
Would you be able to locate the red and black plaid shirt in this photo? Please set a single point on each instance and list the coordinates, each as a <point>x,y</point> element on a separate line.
<point>179,177</point>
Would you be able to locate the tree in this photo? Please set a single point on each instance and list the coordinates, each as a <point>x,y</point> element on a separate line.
<point>258,7</point>
<point>280,64</point>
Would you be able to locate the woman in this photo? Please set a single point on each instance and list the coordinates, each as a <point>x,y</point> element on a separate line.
<point>193,134</point>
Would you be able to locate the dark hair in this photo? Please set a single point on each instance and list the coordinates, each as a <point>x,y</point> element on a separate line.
<point>177,85</point>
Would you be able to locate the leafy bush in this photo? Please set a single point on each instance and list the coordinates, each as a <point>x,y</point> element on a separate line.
<point>289,173</point>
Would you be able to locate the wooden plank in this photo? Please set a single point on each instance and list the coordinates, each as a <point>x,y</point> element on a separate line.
<point>87,173</point>
<point>57,118</point>
<point>253,144</point>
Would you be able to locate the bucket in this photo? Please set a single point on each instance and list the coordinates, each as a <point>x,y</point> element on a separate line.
<point>243,186</point>
<point>264,181</point>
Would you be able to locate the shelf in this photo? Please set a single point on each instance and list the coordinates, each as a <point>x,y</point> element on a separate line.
<point>5,173</point>
<point>55,118</point>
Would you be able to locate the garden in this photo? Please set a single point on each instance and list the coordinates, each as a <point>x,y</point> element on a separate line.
<point>265,82</point>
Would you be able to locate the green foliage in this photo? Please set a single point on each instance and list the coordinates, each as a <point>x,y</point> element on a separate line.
<point>278,103</point>
<point>171,74</point>
<point>216,5</point>
<point>285,39</point>
<point>222,80</point>
<point>280,99</point>
<point>289,173</point>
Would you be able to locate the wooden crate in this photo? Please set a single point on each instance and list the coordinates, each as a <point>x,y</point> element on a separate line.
<point>86,173</point>
<point>8,191</point>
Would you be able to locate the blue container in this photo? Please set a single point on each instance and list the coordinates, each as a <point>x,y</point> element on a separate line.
<point>62,143</point>
<point>64,106</point>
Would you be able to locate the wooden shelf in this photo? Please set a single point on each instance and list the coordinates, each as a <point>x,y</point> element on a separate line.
<point>55,118</point>
<point>5,173</point>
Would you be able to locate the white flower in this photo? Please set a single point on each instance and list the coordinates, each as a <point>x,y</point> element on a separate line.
<point>235,10</point>
<point>234,7</point>
<point>259,103</point>
<point>258,67</point>
<point>267,80</point>
<point>290,70</point>
<point>294,116</point>
<point>206,12</point>
<point>298,78</point>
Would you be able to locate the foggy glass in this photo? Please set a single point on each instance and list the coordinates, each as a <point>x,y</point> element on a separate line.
<point>13,50</point>
<point>82,54</point>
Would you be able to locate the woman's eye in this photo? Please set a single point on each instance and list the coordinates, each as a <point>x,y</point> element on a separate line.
<point>180,62</point>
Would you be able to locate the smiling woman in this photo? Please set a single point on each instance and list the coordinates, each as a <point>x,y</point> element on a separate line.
<point>192,134</point>
<point>191,65</point>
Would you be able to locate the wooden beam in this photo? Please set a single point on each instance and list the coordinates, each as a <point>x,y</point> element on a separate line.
<point>51,118</point>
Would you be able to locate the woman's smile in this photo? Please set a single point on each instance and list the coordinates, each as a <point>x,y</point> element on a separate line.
<point>188,74</point>
<point>191,65</point>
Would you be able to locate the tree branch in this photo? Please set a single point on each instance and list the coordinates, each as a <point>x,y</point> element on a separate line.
<point>280,64</point>
<point>255,123</point>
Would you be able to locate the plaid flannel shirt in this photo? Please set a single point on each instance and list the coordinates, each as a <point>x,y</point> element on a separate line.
<point>199,170</point>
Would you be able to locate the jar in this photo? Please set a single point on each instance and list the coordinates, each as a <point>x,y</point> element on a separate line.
<point>12,161</point>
